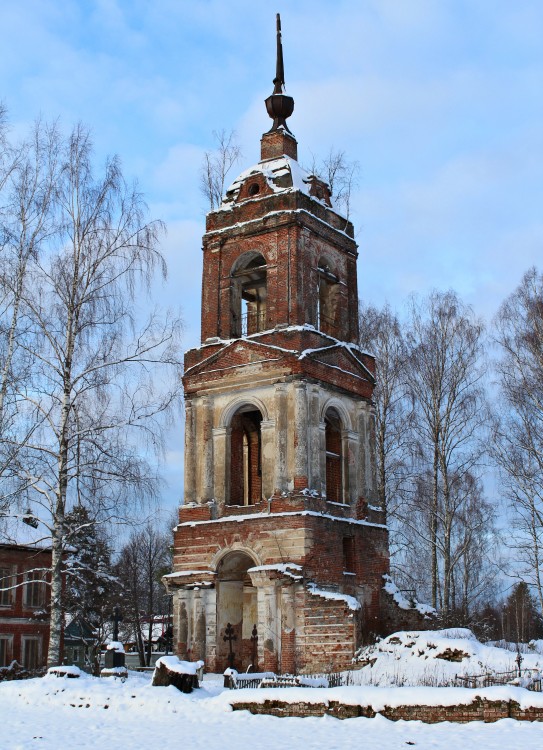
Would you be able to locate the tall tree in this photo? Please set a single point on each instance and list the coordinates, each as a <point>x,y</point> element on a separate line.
<point>381,334</point>
<point>28,173</point>
<point>90,583</point>
<point>101,380</point>
<point>446,387</point>
<point>521,621</point>
<point>519,434</point>
<point>142,562</point>
<point>92,590</point>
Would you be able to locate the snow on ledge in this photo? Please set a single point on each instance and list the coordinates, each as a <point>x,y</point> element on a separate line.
<point>350,601</point>
<point>184,573</point>
<point>391,588</point>
<point>288,569</point>
<point>256,516</point>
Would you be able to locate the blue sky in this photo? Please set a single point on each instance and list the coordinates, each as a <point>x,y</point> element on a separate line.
<point>440,101</point>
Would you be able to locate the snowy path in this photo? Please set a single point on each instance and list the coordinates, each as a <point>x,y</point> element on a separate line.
<point>54,714</point>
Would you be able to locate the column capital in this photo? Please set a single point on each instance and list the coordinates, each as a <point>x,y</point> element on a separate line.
<point>221,431</point>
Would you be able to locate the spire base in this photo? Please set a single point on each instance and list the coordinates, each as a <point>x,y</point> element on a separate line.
<point>279,107</point>
<point>277,143</point>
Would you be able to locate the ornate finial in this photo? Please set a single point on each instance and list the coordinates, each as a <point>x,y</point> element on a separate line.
<point>279,105</point>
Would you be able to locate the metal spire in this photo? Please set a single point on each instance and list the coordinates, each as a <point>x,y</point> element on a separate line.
<point>279,106</point>
<point>279,80</point>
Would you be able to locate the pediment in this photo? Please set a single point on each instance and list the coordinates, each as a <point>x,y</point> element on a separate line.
<point>342,358</point>
<point>238,353</point>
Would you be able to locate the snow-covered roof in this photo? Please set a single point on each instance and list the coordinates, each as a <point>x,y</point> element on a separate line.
<point>282,175</point>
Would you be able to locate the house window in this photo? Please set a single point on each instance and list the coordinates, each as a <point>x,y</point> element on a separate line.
<point>35,589</point>
<point>6,650</point>
<point>6,582</point>
<point>31,652</point>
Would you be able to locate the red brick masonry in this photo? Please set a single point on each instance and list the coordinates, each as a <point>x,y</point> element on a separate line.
<point>489,705</point>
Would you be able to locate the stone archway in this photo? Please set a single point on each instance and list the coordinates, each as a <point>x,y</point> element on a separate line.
<point>237,606</point>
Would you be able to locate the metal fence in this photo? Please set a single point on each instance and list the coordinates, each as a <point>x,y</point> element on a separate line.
<point>272,680</point>
<point>527,678</point>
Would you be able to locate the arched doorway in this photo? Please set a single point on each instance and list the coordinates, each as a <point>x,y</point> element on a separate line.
<point>334,457</point>
<point>237,613</point>
<point>246,456</point>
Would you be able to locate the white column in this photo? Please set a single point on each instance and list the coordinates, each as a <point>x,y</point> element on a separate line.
<point>314,447</point>
<point>322,457</point>
<point>267,435</point>
<point>269,632</point>
<point>281,421</point>
<point>211,627</point>
<point>190,454</point>
<point>350,442</point>
<point>300,430</point>
<point>207,449</point>
<point>366,437</point>
<point>221,461</point>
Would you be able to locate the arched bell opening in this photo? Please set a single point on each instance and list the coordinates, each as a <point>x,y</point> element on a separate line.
<point>327,300</point>
<point>335,469</point>
<point>246,457</point>
<point>237,614</point>
<point>248,295</point>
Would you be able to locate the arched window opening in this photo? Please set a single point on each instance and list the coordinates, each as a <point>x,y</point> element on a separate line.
<point>248,295</point>
<point>246,457</point>
<point>334,457</point>
<point>327,299</point>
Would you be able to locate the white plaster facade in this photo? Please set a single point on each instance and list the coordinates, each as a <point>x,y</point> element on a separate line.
<point>293,439</point>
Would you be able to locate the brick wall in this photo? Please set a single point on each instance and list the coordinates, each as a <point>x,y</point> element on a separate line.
<point>19,620</point>
<point>292,245</point>
<point>479,710</point>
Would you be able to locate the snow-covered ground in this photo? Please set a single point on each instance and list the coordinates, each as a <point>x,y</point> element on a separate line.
<point>76,714</point>
<point>435,658</point>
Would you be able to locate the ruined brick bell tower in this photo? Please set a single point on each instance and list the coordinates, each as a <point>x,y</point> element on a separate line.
<point>279,556</point>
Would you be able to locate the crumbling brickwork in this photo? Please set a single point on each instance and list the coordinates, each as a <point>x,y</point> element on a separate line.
<point>278,534</point>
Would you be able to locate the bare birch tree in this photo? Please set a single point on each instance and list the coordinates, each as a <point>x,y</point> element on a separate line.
<point>26,227</point>
<point>217,165</point>
<point>519,434</point>
<point>341,175</point>
<point>446,388</point>
<point>381,334</point>
<point>102,381</point>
